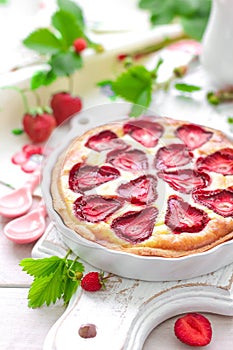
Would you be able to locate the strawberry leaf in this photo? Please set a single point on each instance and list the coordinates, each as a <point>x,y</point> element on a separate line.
<point>73,9</point>
<point>41,267</point>
<point>65,63</point>
<point>66,24</point>
<point>134,85</point>
<point>47,289</point>
<point>42,78</point>
<point>43,41</point>
<point>187,88</point>
<point>17,131</point>
<point>70,288</point>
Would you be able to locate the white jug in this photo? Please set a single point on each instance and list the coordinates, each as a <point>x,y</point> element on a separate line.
<point>217,54</point>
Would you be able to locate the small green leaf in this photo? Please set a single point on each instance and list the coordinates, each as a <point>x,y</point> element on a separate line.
<point>65,63</point>
<point>73,9</point>
<point>70,288</point>
<point>66,24</point>
<point>187,88</point>
<point>134,85</point>
<point>47,289</point>
<point>17,131</point>
<point>194,27</point>
<point>230,120</point>
<point>42,78</point>
<point>43,41</point>
<point>41,267</point>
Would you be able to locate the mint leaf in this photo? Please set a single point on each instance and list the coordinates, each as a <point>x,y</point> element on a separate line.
<point>134,85</point>
<point>65,63</point>
<point>47,289</point>
<point>195,26</point>
<point>43,41</point>
<point>186,87</point>
<point>66,24</point>
<point>73,9</point>
<point>41,267</point>
<point>42,78</point>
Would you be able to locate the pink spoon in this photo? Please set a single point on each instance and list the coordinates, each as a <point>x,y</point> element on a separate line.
<point>29,227</point>
<point>19,201</point>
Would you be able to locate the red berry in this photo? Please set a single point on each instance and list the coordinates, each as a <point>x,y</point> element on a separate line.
<point>193,329</point>
<point>92,282</point>
<point>39,127</point>
<point>79,45</point>
<point>64,106</point>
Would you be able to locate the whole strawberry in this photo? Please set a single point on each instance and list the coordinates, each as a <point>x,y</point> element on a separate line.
<point>92,281</point>
<point>79,45</point>
<point>38,127</point>
<point>193,329</point>
<point>64,105</point>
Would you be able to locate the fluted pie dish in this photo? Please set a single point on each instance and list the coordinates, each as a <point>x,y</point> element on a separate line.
<point>148,198</point>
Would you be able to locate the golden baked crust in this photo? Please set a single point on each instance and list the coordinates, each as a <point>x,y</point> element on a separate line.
<point>165,240</point>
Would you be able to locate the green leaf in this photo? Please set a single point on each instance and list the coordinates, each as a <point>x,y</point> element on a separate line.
<point>66,24</point>
<point>194,27</point>
<point>73,9</point>
<point>187,88</point>
<point>41,267</point>
<point>17,131</point>
<point>70,288</point>
<point>65,63</point>
<point>43,41</point>
<point>76,265</point>
<point>230,120</point>
<point>47,289</point>
<point>134,85</point>
<point>42,78</point>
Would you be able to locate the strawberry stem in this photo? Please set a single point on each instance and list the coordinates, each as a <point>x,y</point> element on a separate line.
<point>37,98</point>
<point>22,94</point>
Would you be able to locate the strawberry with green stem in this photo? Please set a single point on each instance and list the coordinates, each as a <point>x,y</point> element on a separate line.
<point>38,123</point>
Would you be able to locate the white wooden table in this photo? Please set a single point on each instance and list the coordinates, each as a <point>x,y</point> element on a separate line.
<point>24,328</point>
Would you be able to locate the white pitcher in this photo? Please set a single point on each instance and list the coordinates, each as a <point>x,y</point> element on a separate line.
<point>217,54</point>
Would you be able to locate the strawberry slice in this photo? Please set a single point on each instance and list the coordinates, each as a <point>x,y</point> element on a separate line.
<point>218,162</point>
<point>193,329</point>
<point>105,140</point>
<point>135,226</point>
<point>172,156</point>
<point>84,177</point>
<point>193,136</point>
<point>182,217</point>
<point>132,160</point>
<point>220,201</point>
<point>95,208</point>
<point>144,131</point>
<point>139,191</point>
<point>185,180</point>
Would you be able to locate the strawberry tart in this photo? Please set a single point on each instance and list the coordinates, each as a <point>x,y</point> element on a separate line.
<point>150,186</point>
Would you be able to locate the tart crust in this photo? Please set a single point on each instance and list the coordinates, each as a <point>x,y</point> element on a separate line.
<point>162,242</point>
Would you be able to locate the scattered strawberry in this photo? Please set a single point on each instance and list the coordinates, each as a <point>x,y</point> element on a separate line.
<point>79,45</point>
<point>38,127</point>
<point>193,329</point>
<point>64,105</point>
<point>92,282</point>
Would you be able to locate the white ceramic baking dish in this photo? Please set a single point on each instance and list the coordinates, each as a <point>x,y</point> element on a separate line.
<point>120,263</point>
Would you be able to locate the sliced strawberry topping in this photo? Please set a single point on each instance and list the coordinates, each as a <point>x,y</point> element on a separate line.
<point>218,162</point>
<point>182,217</point>
<point>193,136</point>
<point>172,156</point>
<point>220,201</point>
<point>135,226</point>
<point>105,140</point>
<point>139,191</point>
<point>95,208</point>
<point>144,131</point>
<point>193,329</point>
<point>185,180</point>
<point>132,160</point>
<point>84,177</point>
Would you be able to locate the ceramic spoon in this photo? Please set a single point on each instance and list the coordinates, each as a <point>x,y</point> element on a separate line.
<point>19,201</point>
<point>29,227</point>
